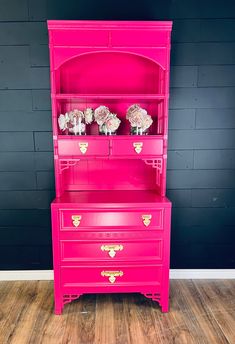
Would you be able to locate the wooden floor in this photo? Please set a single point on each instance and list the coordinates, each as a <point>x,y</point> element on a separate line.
<point>201,312</point>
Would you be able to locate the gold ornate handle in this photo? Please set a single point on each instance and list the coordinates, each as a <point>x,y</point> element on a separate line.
<point>76,220</point>
<point>138,147</point>
<point>83,147</point>
<point>111,249</point>
<point>112,275</point>
<point>146,219</point>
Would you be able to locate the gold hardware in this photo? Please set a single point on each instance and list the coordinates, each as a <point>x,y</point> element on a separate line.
<point>83,147</point>
<point>146,219</point>
<point>112,249</point>
<point>112,275</point>
<point>76,220</point>
<point>138,146</point>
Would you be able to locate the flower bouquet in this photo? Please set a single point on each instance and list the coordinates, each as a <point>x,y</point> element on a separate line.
<point>139,119</point>
<point>74,122</point>
<point>108,122</point>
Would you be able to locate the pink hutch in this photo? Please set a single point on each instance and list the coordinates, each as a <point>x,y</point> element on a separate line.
<point>110,218</point>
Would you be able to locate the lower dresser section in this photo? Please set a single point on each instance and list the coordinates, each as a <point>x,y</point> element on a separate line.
<point>105,276</point>
<point>105,260</point>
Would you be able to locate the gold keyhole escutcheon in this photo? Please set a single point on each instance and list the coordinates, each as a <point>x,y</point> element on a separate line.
<point>146,219</point>
<point>138,147</point>
<point>112,275</point>
<point>76,219</point>
<point>112,249</point>
<point>83,147</point>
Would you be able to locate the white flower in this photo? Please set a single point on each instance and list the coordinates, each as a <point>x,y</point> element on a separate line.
<point>62,120</point>
<point>88,113</point>
<point>101,114</point>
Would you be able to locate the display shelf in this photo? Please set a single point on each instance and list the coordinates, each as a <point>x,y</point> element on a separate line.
<point>76,96</point>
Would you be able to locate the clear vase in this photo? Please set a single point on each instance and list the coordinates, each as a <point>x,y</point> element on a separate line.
<point>138,131</point>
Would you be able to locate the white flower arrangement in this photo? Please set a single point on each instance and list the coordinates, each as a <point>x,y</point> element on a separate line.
<point>108,122</point>
<point>139,119</point>
<point>75,121</point>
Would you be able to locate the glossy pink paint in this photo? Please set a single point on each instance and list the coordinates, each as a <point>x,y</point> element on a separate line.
<point>107,185</point>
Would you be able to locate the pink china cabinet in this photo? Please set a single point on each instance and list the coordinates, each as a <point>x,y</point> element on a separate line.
<point>110,217</point>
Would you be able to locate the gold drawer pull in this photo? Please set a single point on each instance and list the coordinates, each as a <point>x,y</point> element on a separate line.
<point>146,219</point>
<point>112,249</point>
<point>76,220</point>
<point>111,275</point>
<point>138,147</point>
<point>83,147</point>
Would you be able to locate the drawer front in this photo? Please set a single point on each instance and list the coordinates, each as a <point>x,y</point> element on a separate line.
<point>110,250</point>
<point>137,147</point>
<point>83,147</point>
<point>75,219</point>
<point>106,275</point>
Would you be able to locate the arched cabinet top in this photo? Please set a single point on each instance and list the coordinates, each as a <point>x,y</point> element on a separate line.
<point>110,72</point>
<point>68,39</point>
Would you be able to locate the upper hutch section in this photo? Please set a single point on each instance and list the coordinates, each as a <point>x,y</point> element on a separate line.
<point>122,57</point>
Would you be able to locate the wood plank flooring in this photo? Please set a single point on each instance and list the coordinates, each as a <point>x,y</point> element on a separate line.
<point>201,312</point>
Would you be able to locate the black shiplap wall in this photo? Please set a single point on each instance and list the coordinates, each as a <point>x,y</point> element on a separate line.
<point>201,163</point>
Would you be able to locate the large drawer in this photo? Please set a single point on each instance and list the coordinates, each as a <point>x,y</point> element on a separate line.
<point>110,275</point>
<point>83,147</point>
<point>74,250</point>
<point>74,219</point>
<point>137,147</point>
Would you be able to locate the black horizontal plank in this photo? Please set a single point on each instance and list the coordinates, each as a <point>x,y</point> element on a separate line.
<point>26,199</point>
<point>43,141</point>
<point>218,30</point>
<point>13,141</point>
<point>17,181</point>
<point>25,257</point>
<point>41,100</point>
<point>19,33</point>
<point>39,55</point>
<point>26,161</point>
<point>203,97</point>
<point>25,218</point>
<point>216,76</point>
<point>180,159</point>
<point>180,198</point>
<point>214,159</point>
<point>202,256</point>
<point>215,118</point>
<point>17,236</point>
<point>15,100</point>
<point>204,234</point>
<point>193,179</point>
<point>202,139</point>
<point>25,120</point>
<point>203,53</point>
<point>45,180</point>
<point>186,30</point>
<point>203,198</point>
<point>13,10</point>
<point>183,76</point>
<point>182,119</point>
<point>37,10</point>
<point>189,217</point>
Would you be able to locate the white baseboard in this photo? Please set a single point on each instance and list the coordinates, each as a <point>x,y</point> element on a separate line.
<point>36,275</point>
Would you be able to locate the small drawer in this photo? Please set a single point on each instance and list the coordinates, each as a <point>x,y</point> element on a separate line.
<point>83,147</point>
<point>139,38</point>
<point>120,250</point>
<point>138,147</point>
<point>106,275</point>
<point>74,219</point>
